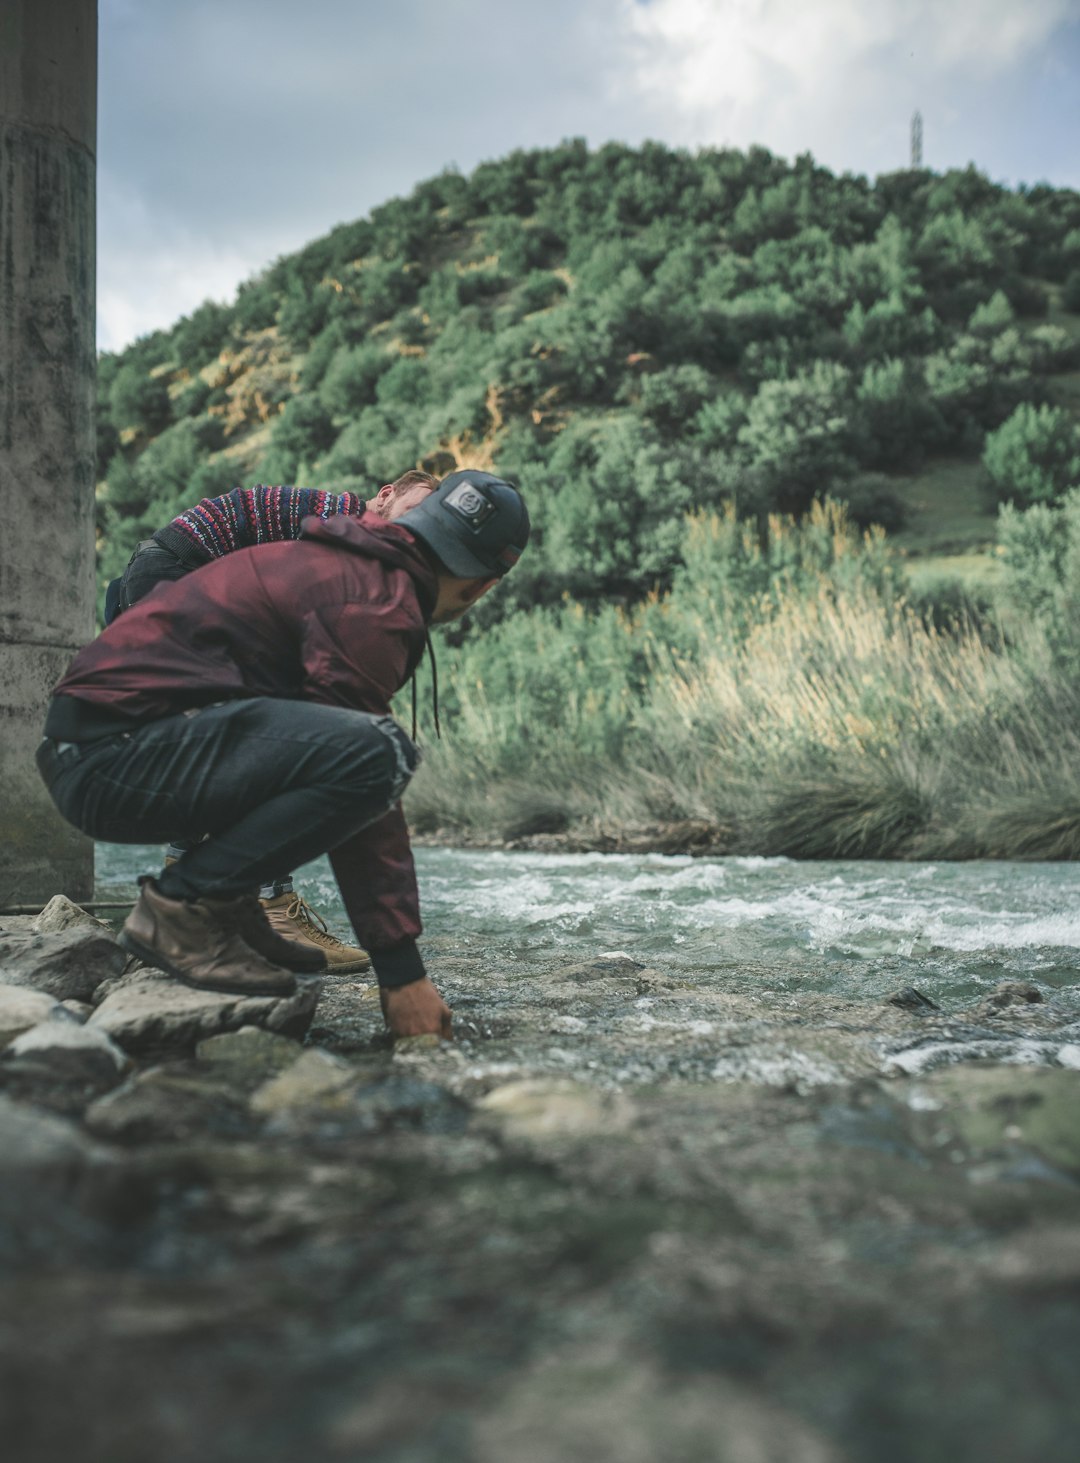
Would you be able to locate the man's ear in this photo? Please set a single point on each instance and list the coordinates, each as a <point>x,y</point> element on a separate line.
<point>383,496</point>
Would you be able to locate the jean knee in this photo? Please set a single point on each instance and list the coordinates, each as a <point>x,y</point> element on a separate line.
<point>406,757</point>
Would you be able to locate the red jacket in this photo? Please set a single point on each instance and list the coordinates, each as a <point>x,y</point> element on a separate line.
<point>338,616</point>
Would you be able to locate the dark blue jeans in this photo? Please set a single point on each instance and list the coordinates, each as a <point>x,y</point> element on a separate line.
<point>273,784</point>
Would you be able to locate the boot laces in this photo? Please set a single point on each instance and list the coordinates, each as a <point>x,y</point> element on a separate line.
<point>301,911</point>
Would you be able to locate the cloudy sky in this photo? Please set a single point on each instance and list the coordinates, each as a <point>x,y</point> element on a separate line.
<point>233,131</point>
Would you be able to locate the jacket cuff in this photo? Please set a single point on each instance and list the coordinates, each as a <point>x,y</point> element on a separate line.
<point>399,965</point>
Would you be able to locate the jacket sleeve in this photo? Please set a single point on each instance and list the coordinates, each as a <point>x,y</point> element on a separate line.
<point>353,657</point>
<point>375,872</point>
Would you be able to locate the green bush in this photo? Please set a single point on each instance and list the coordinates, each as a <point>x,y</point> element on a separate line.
<point>1033,457</point>
<point>799,435</point>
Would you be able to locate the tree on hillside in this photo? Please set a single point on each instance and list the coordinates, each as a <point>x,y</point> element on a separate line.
<point>798,439</point>
<point>1034,457</point>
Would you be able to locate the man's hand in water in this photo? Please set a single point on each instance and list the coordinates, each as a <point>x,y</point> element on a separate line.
<point>416,1009</point>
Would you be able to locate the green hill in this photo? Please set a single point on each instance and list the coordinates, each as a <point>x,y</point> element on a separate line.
<point>630,333</point>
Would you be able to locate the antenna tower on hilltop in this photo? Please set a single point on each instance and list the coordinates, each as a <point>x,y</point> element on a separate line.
<point>916,140</point>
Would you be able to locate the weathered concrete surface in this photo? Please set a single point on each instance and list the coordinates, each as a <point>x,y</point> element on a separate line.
<point>48,110</point>
<point>624,1216</point>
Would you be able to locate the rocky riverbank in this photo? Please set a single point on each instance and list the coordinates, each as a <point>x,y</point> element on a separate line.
<point>625,1215</point>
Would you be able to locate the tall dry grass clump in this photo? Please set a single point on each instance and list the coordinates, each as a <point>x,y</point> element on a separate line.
<point>783,690</point>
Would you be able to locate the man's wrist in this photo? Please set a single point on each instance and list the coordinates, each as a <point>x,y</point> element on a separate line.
<point>399,965</point>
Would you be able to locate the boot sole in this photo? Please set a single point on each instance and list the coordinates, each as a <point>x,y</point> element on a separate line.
<point>151,957</point>
<point>351,967</point>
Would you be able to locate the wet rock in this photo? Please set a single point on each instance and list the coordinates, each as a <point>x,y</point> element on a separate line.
<point>604,1403</point>
<point>60,1191</point>
<point>249,1056</point>
<point>349,1017</point>
<point>618,959</point>
<point>167,1105</point>
<point>61,914</point>
<point>151,1012</point>
<point>406,1102</point>
<point>81,1010</point>
<point>64,1044</point>
<point>69,964</point>
<point>61,1064</point>
<point>910,999</point>
<point>314,1078</point>
<point>410,1046</point>
<point>44,1148</point>
<point>1013,996</point>
<point>554,1107</point>
<point>22,1008</point>
<point>995,1109</point>
<point>332,1097</point>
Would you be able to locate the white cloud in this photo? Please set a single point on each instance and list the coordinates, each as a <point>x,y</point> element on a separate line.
<point>788,72</point>
<point>155,269</point>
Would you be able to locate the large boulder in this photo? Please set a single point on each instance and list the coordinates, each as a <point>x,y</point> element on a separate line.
<point>69,964</point>
<point>151,1012</point>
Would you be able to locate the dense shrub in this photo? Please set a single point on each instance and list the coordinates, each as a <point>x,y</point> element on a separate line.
<point>1034,457</point>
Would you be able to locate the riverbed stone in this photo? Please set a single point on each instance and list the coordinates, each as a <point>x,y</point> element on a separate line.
<point>62,914</point>
<point>605,1403</point>
<point>22,1008</point>
<point>62,1193</point>
<point>169,1104</point>
<point>151,1012</point>
<point>63,1041</point>
<point>42,1147</point>
<point>315,1077</point>
<point>544,1108</point>
<point>249,1056</point>
<point>998,1110</point>
<point>61,1064</point>
<point>69,964</point>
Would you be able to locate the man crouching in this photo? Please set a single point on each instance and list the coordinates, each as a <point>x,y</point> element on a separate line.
<point>251,702</point>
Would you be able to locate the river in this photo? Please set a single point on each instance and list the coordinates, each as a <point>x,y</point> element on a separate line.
<point>858,929</point>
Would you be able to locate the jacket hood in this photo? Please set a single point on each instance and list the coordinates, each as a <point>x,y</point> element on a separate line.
<point>376,538</point>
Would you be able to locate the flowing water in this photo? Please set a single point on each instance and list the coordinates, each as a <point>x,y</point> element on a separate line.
<point>858,929</point>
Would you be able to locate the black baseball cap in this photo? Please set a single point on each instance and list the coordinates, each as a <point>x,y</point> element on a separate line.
<point>475,523</point>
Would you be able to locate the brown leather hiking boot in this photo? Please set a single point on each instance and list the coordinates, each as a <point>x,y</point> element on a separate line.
<point>293,919</point>
<point>199,945</point>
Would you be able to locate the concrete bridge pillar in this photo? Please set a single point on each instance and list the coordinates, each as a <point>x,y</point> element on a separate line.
<point>48,135</point>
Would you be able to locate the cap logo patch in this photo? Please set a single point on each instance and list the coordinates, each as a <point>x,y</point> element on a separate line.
<point>470,506</point>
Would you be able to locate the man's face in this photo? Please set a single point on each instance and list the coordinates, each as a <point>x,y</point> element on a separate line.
<point>458,595</point>
<point>390,506</point>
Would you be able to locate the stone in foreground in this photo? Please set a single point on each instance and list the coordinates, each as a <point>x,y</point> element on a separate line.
<point>153,1012</point>
<point>69,964</point>
<point>21,1009</point>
